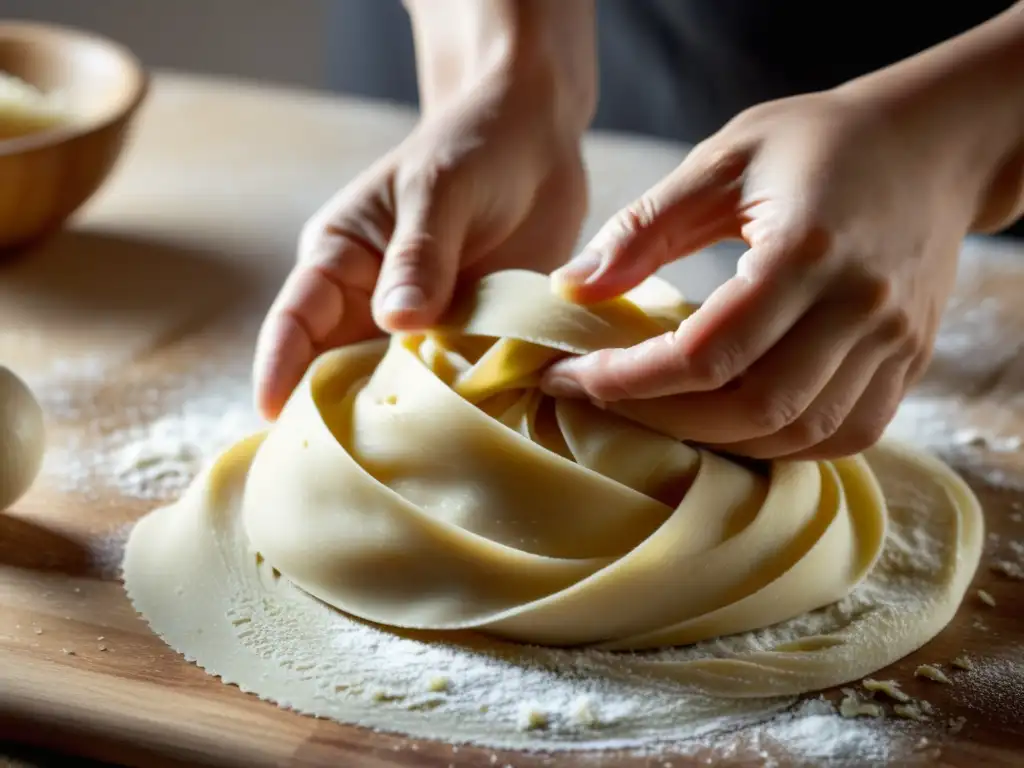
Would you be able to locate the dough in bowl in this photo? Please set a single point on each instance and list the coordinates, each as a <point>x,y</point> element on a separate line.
<point>423,483</point>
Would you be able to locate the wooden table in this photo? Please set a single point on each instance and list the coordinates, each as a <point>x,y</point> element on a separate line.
<point>167,274</point>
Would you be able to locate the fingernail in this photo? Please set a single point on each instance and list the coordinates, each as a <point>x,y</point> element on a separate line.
<point>560,386</point>
<point>580,270</point>
<point>404,298</point>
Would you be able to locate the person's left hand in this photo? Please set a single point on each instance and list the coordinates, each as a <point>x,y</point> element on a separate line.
<point>854,223</point>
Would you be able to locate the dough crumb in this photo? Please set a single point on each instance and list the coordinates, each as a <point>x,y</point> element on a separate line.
<point>102,648</point>
<point>963,662</point>
<point>39,631</point>
<point>888,687</point>
<point>986,598</point>
<point>970,437</point>
<point>1009,444</point>
<point>853,706</point>
<point>584,713</point>
<point>956,724</point>
<point>382,697</point>
<point>67,651</point>
<point>931,672</point>
<point>439,684</point>
<point>426,704</point>
<point>1008,569</point>
<point>531,718</point>
<point>910,711</point>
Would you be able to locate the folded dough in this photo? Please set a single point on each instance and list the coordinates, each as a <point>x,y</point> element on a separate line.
<point>423,482</point>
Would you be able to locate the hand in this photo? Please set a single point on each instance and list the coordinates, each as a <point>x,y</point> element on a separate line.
<point>486,183</point>
<point>853,232</point>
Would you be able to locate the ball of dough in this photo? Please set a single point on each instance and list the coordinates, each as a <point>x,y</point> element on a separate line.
<point>22,438</point>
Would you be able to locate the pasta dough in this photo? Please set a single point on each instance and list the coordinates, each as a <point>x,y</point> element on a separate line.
<point>22,438</point>
<point>422,482</point>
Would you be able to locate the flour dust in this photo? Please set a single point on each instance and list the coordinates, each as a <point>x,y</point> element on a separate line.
<point>165,430</point>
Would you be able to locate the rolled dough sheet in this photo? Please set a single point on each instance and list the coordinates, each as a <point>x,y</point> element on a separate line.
<point>424,485</point>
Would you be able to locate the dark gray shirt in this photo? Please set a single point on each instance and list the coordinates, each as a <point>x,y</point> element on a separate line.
<point>679,69</point>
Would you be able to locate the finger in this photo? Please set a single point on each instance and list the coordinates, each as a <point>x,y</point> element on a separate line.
<point>689,209</point>
<point>740,322</point>
<point>317,307</point>
<point>829,410</point>
<point>775,392</point>
<point>869,418</point>
<point>421,264</point>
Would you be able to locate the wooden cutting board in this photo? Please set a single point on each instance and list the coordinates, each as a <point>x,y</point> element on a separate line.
<point>170,270</point>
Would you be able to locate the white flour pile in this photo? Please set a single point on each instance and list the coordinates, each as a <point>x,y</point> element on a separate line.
<point>158,441</point>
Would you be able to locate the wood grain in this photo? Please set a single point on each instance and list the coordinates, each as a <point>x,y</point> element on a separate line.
<point>165,265</point>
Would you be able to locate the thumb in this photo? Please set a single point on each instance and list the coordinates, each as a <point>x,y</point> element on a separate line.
<point>690,209</point>
<point>420,266</point>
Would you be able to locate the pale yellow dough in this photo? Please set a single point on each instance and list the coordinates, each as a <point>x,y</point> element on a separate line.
<point>424,483</point>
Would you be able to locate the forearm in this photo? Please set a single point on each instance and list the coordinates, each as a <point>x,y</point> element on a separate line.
<point>964,102</point>
<point>545,46</point>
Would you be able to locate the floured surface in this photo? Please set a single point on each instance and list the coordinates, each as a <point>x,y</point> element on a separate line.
<point>539,520</point>
<point>138,702</point>
<point>257,630</point>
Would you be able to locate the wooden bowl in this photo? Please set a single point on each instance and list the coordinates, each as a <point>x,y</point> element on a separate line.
<point>47,175</point>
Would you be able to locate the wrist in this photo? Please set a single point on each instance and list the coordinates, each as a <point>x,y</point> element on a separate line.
<point>542,51</point>
<point>958,105</point>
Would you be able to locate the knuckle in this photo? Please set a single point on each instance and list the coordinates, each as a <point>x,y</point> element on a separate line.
<point>421,177</point>
<point>859,439</point>
<point>602,378</point>
<point>748,118</point>
<point>311,239</point>
<point>896,327</point>
<point>876,293</point>
<point>637,217</point>
<point>423,186</point>
<point>806,243</point>
<point>869,294</point>
<point>715,156</point>
<point>864,433</point>
<point>410,256</point>
<point>773,410</point>
<point>817,427</point>
<point>715,369</point>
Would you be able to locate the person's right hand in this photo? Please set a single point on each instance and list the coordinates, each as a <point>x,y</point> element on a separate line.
<point>491,181</point>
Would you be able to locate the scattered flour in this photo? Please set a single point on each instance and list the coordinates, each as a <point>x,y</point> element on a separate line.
<point>553,700</point>
<point>157,439</point>
<point>994,685</point>
<point>509,696</point>
<point>159,461</point>
<point>106,551</point>
<point>813,731</point>
<point>161,432</point>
